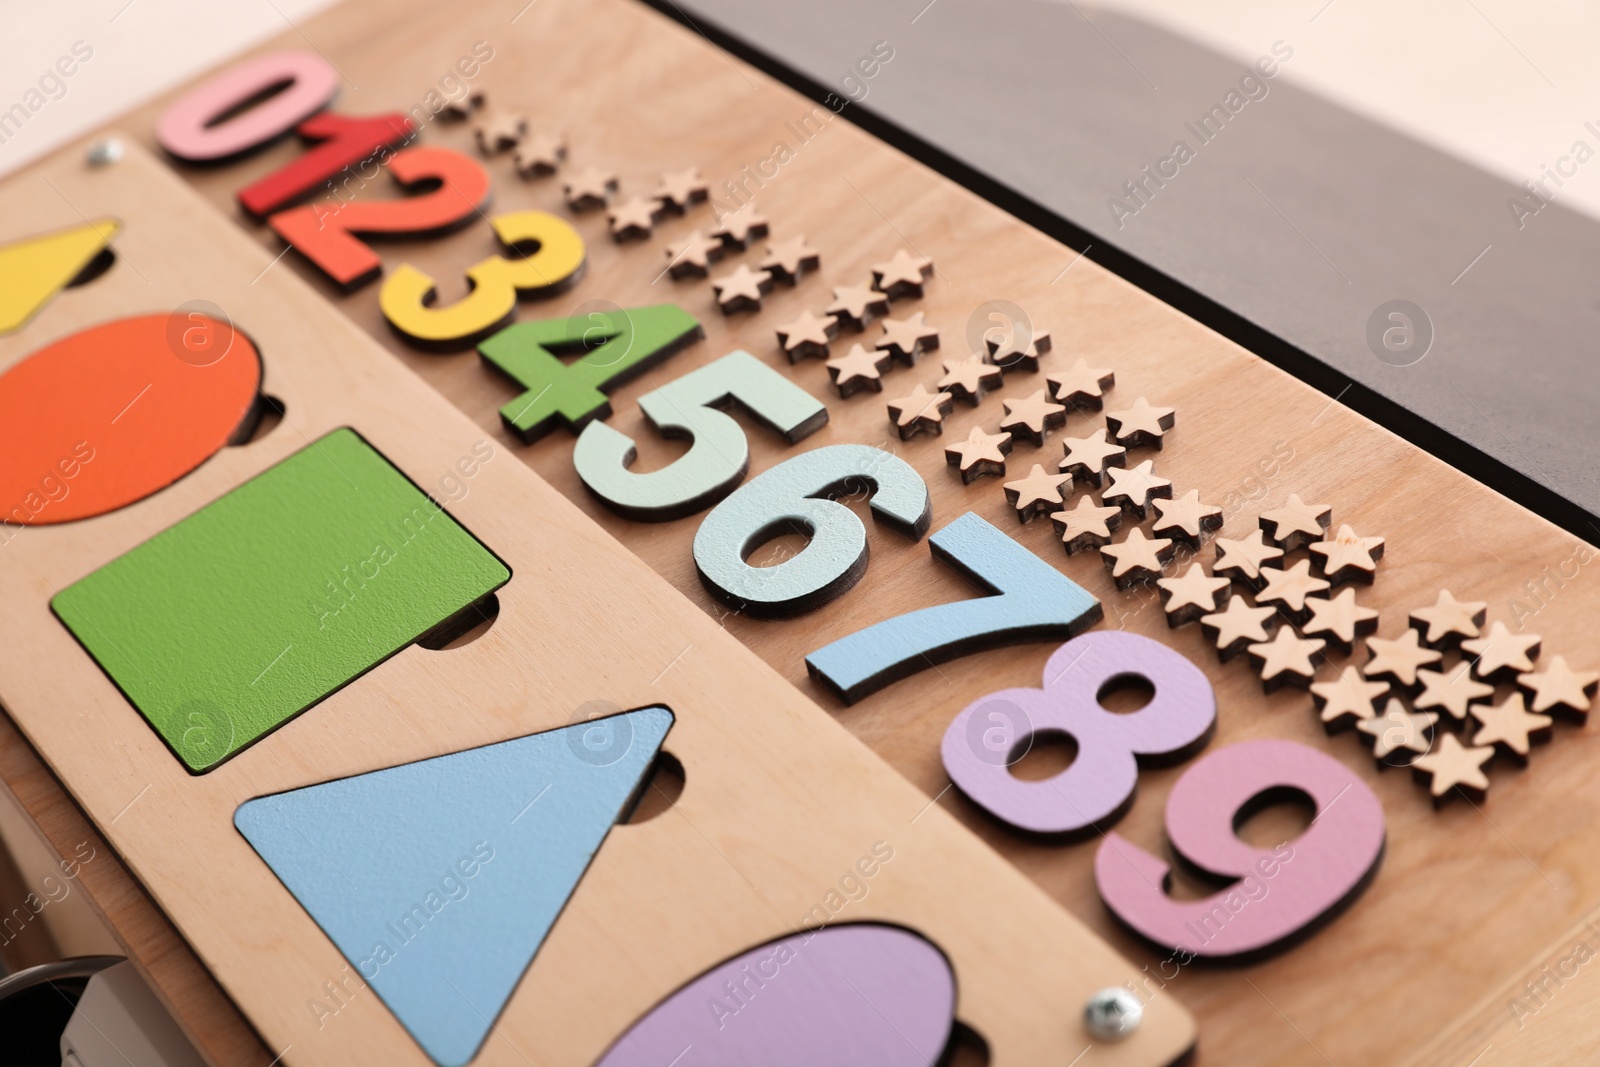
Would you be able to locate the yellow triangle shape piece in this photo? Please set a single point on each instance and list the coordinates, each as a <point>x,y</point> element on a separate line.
<point>36,268</point>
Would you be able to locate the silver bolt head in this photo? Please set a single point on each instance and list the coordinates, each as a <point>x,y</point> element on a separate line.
<point>105,152</point>
<point>1112,1014</point>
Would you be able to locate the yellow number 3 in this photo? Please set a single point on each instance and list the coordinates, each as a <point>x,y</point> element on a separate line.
<point>553,259</point>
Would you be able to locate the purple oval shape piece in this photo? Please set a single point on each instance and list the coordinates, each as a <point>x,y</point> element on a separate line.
<point>860,993</point>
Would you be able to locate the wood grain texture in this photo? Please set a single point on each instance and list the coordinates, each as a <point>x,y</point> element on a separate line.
<point>1460,904</point>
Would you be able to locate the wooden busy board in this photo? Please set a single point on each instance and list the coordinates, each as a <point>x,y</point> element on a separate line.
<point>1472,898</point>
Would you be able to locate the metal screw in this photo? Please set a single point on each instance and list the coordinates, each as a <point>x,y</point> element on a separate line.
<point>1112,1014</point>
<point>104,153</point>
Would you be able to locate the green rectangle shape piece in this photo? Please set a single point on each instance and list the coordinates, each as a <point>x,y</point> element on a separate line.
<point>227,625</point>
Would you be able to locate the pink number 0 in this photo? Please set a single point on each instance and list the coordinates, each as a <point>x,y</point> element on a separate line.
<point>1281,894</point>
<point>993,733</point>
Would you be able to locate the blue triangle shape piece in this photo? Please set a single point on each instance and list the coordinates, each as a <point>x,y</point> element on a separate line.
<point>440,879</point>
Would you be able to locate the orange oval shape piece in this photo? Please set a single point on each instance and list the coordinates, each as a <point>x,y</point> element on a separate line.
<point>118,411</point>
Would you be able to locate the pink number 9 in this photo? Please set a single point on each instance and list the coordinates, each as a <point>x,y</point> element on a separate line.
<point>992,734</point>
<point>1279,895</point>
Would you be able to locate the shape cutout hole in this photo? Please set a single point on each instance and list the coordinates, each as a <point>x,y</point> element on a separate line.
<point>1042,755</point>
<point>464,627</point>
<point>967,1048</point>
<point>662,787</point>
<point>1274,817</point>
<point>1124,694</point>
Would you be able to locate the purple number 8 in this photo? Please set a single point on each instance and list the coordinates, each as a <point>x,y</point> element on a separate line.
<point>991,734</point>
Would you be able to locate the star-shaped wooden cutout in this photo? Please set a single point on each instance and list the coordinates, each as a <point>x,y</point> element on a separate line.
<point>1086,525</point>
<point>1237,626</point>
<point>1033,416</point>
<point>1449,621</point>
<point>1452,694</point>
<point>1136,558</point>
<point>1500,655</point>
<point>906,339</point>
<point>918,412</point>
<point>1038,493</point>
<point>1510,727</point>
<point>737,228</point>
<point>589,190</point>
<point>1241,559</point>
<point>857,305</point>
<point>693,256</point>
<point>1398,659</point>
<point>1191,595</point>
<point>1081,386</point>
<point>1185,519</point>
<point>858,369</point>
<point>1339,620</point>
<point>1560,690</point>
<point>902,275</point>
<point>1141,425</point>
<point>1399,736</point>
<point>1347,556</point>
<point>1013,354</point>
<point>458,110</point>
<point>788,260</point>
<point>980,454</point>
<point>633,219</point>
<point>1133,488</point>
<point>742,289</point>
<point>1288,589</point>
<point>1286,660</point>
<point>1452,766</point>
<point>968,379</point>
<point>543,153</point>
<point>1296,523</point>
<point>682,189</point>
<point>1348,700</point>
<point>1088,459</point>
<point>807,337</point>
<point>500,131</point>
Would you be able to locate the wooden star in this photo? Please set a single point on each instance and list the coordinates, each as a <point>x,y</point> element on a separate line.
<point>1086,525</point>
<point>742,289</point>
<point>540,154</point>
<point>1510,727</point>
<point>1081,386</point>
<point>1241,559</point>
<point>1452,766</point>
<point>1501,655</point>
<point>1453,694</point>
<point>682,189</point>
<point>1136,558</point>
<point>907,339</point>
<point>1398,658</point>
<point>968,379</point>
<point>1088,459</point>
<point>1339,620</point>
<point>1296,523</point>
<point>1399,733</point>
<point>1038,493</point>
<point>1032,417</point>
<point>1237,627</point>
<point>1192,595</point>
<point>692,258</point>
<point>919,412</point>
<point>1143,424</point>
<point>589,189</point>
<point>857,305</point>
<point>788,260</point>
<point>1288,589</point>
<point>634,218</point>
<point>458,110</point>
<point>1134,487</point>
<point>1449,621</point>
<point>980,454</point>
<point>737,228</point>
<point>500,131</point>
<point>902,275</point>
<point>1012,354</point>
<point>1185,519</point>
<point>860,368</point>
<point>1560,690</point>
<point>807,337</point>
<point>1348,557</point>
<point>1286,660</point>
<point>1347,700</point>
